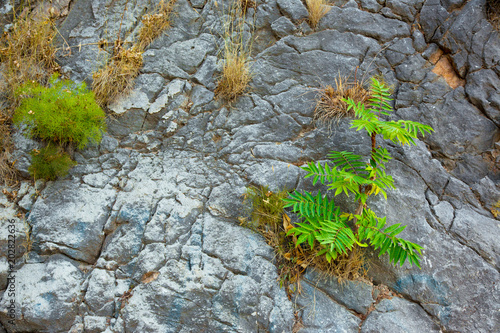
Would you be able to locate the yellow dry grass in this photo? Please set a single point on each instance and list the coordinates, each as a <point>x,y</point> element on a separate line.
<point>330,104</point>
<point>236,71</point>
<point>493,13</point>
<point>317,9</point>
<point>236,75</point>
<point>117,77</point>
<point>153,25</point>
<point>246,4</point>
<point>26,54</point>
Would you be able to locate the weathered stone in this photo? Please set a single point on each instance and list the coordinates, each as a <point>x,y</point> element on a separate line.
<point>412,69</point>
<point>321,314</point>
<point>4,273</point>
<point>293,8</point>
<point>371,5</point>
<point>100,294</point>
<point>399,51</point>
<point>205,73</point>
<point>45,304</point>
<point>487,191</point>
<point>364,23</point>
<point>170,180</point>
<point>354,295</point>
<point>444,213</point>
<point>283,27</point>
<point>77,234</point>
<point>478,232</point>
<point>95,324</point>
<point>482,90</point>
<point>398,315</point>
<point>188,55</point>
<point>173,89</point>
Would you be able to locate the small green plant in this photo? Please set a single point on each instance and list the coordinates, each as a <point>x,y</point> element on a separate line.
<point>495,209</point>
<point>63,113</point>
<point>338,233</point>
<point>50,163</point>
<point>268,218</point>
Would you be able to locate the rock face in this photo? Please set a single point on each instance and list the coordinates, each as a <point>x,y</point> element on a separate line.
<point>143,235</point>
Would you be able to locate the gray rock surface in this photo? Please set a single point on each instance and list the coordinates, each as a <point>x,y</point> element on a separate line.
<point>398,315</point>
<point>144,236</point>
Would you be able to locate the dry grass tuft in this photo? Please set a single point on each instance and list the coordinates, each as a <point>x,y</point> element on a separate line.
<point>27,54</point>
<point>330,106</point>
<point>153,25</point>
<point>27,51</point>
<point>117,77</point>
<point>269,219</point>
<point>246,4</point>
<point>236,71</point>
<point>495,209</point>
<point>317,9</point>
<point>493,13</point>
<point>236,75</point>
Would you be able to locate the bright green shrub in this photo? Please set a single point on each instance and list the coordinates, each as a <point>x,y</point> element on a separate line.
<point>339,232</point>
<point>63,113</point>
<point>50,163</point>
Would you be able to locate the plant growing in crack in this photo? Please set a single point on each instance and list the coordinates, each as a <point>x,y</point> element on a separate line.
<point>337,232</point>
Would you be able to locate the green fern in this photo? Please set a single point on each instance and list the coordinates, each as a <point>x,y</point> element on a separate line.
<point>323,224</point>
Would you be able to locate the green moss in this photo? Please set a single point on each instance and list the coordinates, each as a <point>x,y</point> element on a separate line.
<point>50,163</point>
<point>267,206</point>
<point>63,113</point>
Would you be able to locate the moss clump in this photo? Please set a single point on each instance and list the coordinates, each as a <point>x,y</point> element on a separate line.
<point>50,163</point>
<point>64,113</point>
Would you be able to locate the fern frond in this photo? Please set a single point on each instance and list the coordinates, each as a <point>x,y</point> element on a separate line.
<point>399,250</point>
<point>379,156</point>
<point>369,126</point>
<point>306,205</point>
<point>322,173</point>
<point>380,97</point>
<point>360,111</point>
<point>347,161</point>
<point>415,128</point>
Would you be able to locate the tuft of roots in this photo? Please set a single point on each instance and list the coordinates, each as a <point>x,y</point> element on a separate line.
<point>493,13</point>
<point>330,104</point>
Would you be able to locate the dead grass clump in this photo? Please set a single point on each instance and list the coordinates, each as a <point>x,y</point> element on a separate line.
<point>495,209</point>
<point>236,71</point>
<point>153,25</point>
<point>317,9</point>
<point>330,105</point>
<point>117,77</point>
<point>27,51</point>
<point>8,174</point>
<point>493,13</point>
<point>270,220</point>
<point>236,75</point>
<point>26,54</point>
<point>246,4</point>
